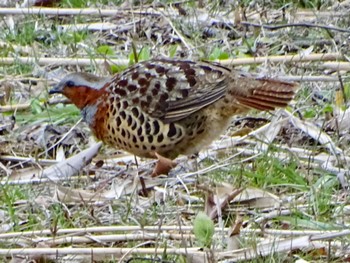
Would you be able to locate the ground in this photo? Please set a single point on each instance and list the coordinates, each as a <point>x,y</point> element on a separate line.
<point>273,188</point>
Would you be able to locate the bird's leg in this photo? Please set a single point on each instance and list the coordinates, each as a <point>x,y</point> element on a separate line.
<point>194,157</point>
<point>163,165</point>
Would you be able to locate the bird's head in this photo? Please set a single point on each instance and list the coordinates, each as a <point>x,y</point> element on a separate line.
<point>81,88</point>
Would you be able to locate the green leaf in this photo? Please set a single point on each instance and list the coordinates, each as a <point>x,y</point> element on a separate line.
<point>105,50</point>
<point>131,58</point>
<point>145,53</point>
<point>36,107</point>
<point>215,54</point>
<point>218,54</point>
<point>117,68</point>
<point>328,108</point>
<point>347,91</point>
<point>76,3</point>
<point>224,55</point>
<point>79,36</point>
<point>172,50</point>
<point>203,229</point>
<point>309,114</point>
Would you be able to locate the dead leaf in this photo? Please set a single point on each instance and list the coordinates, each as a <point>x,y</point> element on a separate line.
<point>216,202</point>
<point>257,198</point>
<point>233,241</point>
<point>314,132</point>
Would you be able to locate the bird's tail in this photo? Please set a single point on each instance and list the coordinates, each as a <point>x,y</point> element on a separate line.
<point>267,94</point>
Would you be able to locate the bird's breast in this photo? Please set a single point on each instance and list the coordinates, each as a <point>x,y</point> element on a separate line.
<point>128,127</point>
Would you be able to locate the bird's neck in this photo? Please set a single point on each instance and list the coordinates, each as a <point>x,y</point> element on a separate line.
<point>84,96</point>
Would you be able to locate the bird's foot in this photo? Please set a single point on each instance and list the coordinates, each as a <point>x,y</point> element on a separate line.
<point>163,165</point>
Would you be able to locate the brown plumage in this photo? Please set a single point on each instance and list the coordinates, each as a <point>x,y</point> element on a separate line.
<point>169,107</point>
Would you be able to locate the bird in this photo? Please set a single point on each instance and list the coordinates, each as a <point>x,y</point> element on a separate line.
<point>163,108</point>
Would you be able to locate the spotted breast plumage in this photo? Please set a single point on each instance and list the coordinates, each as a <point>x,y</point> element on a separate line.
<point>169,107</point>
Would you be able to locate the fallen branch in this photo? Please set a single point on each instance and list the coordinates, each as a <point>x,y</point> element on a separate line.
<point>62,170</point>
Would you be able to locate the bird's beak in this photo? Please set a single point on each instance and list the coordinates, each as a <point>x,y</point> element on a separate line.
<point>55,89</point>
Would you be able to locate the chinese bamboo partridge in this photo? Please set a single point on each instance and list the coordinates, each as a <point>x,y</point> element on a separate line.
<point>169,107</point>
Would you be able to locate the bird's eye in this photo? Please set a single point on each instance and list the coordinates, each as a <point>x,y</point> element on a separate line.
<point>70,83</point>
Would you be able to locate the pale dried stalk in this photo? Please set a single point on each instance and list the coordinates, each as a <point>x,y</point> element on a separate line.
<point>179,34</point>
<point>335,66</point>
<point>82,231</point>
<point>113,12</point>
<point>266,249</point>
<point>314,78</point>
<point>61,61</point>
<point>262,249</point>
<point>304,13</point>
<point>16,107</point>
<point>44,61</point>
<point>110,238</point>
<point>284,59</point>
<point>99,251</point>
<point>72,11</point>
<point>11,158</point>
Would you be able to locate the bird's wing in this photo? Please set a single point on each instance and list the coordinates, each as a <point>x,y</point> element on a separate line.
<point>172,89</point>
<point>179,109</point>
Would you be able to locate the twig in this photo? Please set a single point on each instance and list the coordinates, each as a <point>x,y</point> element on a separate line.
<point>304,13</point>
<point>171,228</point>
<point>275,27</point>
<point>285,59</point>
<point>77,231</point>
<point>99,251</point>
<point>335,66</point>
<point>62,138</point>
<point>11,158</point>
<point>326,236</point>
<point>317,78</point>
<point>54,241</point>
<point>8,108</point>
<point>60,61</point>
<point>188,46</point>
<point>228,62</point>
<point>113,12</point>
<point>265,249</point>
<point>71,11</point>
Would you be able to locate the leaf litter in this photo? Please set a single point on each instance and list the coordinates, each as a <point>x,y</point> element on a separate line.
<point>46,155</point>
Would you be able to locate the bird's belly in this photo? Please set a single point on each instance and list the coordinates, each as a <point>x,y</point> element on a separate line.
<point>213,126</point>
<point>142,135</point>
